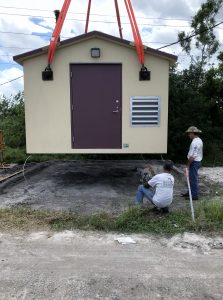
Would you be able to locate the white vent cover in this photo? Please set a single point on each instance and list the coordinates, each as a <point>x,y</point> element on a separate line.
<point>145,111</point>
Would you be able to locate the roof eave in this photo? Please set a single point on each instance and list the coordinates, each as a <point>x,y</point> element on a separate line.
<point>21,57</point>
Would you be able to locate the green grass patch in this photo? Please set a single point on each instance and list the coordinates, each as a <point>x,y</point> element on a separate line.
<point>15,155</point>
<point>19,155</point>
<point>209,218</point>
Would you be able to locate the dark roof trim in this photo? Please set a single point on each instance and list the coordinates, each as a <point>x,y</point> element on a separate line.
<point>19,58</point>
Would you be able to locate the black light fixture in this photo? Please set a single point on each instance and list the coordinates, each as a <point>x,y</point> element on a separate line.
<point>47,74</point>
<point>95,52</point>
<point>144,74</point>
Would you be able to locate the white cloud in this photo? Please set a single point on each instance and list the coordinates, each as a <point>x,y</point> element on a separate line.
<point>168,9</point>
<point>13,87</point>
<point>151,16</point>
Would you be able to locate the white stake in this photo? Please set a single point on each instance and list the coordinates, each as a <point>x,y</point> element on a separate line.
<point>190,196</point>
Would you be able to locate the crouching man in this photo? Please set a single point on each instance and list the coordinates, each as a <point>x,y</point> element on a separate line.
<point>159,190</point>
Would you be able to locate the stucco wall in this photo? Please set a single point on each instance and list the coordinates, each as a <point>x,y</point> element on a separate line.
<point>47,104</point>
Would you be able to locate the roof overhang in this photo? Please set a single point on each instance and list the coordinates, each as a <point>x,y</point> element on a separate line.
<point>27,55</point>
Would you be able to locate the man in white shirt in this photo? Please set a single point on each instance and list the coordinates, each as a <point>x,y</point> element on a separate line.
<point>194,158</point>
<point>163,184</point>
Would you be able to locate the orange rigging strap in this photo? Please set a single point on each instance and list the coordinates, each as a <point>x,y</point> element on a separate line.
<point>57,30</point>
<point>135,31</point>
<point>144,74</point>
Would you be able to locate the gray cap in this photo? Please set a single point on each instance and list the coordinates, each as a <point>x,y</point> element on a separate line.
<point>193,129</point>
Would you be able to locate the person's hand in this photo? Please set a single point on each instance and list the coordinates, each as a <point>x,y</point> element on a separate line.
<point>150,168</point>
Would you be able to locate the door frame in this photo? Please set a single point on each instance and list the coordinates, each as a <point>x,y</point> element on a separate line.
<point>72,104</point>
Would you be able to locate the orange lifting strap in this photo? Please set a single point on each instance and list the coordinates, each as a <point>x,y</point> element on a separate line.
<point>48,74</point>
<point>57,30</point>
<point>135,30</point>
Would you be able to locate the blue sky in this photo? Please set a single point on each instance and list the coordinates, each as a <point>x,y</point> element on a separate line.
<point>27,25</point>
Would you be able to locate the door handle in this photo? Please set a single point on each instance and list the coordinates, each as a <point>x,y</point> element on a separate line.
<point>117,110</point>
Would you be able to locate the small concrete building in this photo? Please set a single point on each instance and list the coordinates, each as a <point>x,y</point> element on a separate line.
<point>96,102</point>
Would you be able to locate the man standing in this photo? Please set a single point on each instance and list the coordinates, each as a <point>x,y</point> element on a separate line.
<point>194,158</point>
<point>163,183</point>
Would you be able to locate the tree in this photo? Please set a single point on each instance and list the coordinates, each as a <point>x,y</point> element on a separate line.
<point>196,93</point>
<point>202,25</point>
<point>12,120</point>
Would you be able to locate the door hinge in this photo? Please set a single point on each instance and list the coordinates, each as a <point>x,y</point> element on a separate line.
<point>71,74</point>
<point>72,139</point>
<point>72,107</point>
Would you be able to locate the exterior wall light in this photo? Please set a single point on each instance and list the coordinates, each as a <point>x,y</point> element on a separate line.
<point>144,74</point>
<point>95,52</point>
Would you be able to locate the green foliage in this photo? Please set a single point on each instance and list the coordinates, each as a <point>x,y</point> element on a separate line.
<point>196,93</point>
<point>208,218</point>
<point>199,106</point>
<point>201,25</point>
<point>12,120</point>
<point>15,155</point>
<point>196,98</point>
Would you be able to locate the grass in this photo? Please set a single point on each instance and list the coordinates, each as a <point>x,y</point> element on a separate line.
<point>19,155</point>
<point>14,155</point>
<point>209,218</point>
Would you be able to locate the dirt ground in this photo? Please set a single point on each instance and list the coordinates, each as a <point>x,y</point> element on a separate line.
<point>86,186</point>
<point>90,265</point>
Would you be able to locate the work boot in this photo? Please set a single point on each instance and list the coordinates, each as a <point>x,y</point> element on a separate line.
<point>193,198</point>
<point>155,210</point>
<point>164,210</point>
<point>185,194</point>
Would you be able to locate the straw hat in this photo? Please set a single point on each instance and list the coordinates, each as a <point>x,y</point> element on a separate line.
<point>193,129</point>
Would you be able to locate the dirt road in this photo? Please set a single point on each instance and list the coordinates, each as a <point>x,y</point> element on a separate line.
<point>86,265</point>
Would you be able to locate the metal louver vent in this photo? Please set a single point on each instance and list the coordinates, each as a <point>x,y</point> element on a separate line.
<point>145,111</point>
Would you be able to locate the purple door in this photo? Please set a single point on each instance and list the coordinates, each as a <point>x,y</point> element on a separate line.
<point>96,106</point>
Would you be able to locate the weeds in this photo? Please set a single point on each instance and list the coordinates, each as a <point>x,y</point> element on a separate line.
<point>209,218</point>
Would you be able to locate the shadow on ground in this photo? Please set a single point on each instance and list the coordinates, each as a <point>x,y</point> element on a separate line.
<point>84,186</point>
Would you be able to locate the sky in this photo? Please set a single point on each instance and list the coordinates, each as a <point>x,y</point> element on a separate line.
<point>27,25</point>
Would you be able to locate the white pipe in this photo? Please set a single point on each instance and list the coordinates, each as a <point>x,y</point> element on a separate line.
<point>190,196</point>
<point>23,169</point>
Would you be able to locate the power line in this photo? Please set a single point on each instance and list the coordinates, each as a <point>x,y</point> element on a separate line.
<point>101,15</point>
<point>11,80</point>
<point>95,21</point>
<point>24,33</point>
<point>14,48</point>
<point>36,34</point>
<point>104,22</point>
<point>24,8</point>
<point>192,35</point>
<point>144,42</point>
<point>166,44</point>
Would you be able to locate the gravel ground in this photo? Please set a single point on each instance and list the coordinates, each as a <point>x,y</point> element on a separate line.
<point>212,174</point>
<point>88,265</point>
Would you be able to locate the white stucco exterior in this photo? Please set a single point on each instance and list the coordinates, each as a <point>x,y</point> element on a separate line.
<point>47,103</point>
